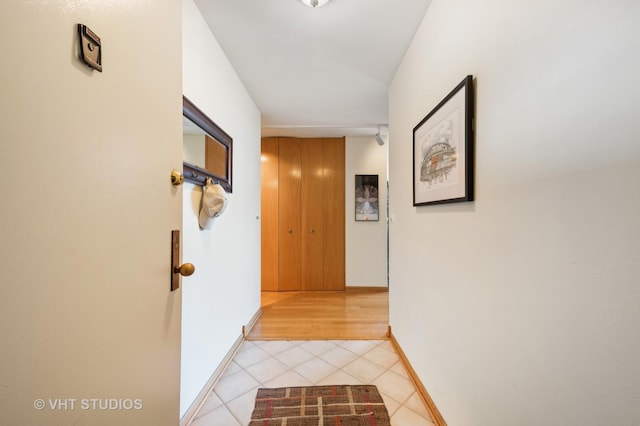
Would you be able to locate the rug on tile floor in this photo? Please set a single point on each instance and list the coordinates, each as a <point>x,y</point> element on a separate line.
<point>320,405</point>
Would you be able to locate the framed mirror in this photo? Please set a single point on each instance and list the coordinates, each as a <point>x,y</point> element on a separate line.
<point>208,150</point>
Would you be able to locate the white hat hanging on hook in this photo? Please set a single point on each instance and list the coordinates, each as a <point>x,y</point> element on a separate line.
<point>214,201</point>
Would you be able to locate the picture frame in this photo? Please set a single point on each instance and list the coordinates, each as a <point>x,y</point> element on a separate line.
<point>367,198</point>
<point>443,150</point>
<point>215,159</point>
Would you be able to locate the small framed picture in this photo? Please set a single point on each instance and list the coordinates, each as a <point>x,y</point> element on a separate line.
<point>367,205</point>
<point>443,150</point>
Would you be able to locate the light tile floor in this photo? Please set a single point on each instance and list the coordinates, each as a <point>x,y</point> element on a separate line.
<point>273,364</point>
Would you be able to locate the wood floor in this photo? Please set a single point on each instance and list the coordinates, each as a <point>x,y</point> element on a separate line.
<point>322,315</point>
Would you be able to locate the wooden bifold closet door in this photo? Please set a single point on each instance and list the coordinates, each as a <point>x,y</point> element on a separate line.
<point>303,214</point>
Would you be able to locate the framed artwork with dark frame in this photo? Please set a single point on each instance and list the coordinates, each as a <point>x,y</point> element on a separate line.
<point>367,204</point>
<point>443,150</point>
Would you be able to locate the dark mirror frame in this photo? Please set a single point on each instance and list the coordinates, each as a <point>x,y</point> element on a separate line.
<point>196,174</point>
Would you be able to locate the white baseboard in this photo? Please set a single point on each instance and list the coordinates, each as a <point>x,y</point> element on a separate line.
<point>435,414</point>
<point>191,412</point>
<point>254,319</point>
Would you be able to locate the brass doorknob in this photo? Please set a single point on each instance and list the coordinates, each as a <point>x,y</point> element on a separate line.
<point>185,269</point>
<point>177,178</point>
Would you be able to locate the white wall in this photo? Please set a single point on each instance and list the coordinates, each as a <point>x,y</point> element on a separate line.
<point>224,292</point>
<point>87,211</point>
<point>366,242</point>
<point>522,307</point>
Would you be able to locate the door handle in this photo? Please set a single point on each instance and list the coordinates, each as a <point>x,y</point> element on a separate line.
<point>177,269</point>
<point>312,230</point>
<point>185,269</point>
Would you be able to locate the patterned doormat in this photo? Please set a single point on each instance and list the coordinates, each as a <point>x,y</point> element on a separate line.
<point>320,405</point>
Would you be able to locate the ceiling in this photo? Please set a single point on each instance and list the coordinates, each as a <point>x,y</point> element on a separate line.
<point>316,72</point>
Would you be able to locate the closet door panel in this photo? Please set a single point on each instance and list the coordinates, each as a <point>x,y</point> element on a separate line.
<point>313,190</point>
<point>303,214</point>
<point>334,213</point>
<point>289,220</point>
<point>269,213</point>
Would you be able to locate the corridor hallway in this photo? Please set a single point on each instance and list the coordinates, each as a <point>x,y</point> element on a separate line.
<point>315,338</point>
